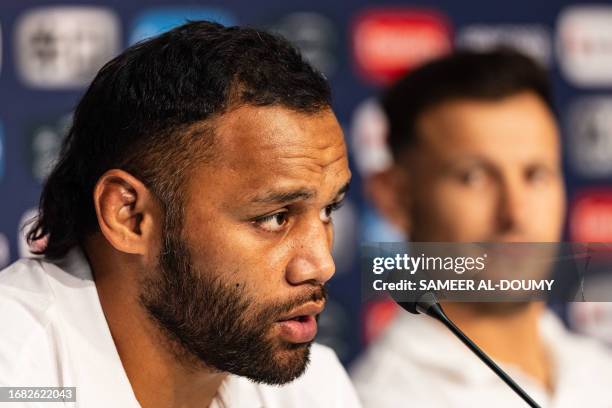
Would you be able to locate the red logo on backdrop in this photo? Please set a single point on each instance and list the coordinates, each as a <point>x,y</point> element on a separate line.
<point>377,315</point>
<point>388,43</point>
<point>591,217</point>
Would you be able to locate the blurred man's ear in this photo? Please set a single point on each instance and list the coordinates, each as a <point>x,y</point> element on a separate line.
<point>389,191</point>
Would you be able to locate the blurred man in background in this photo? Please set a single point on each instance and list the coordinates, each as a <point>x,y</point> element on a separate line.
<point>477,158</point>
<point>188,233</point>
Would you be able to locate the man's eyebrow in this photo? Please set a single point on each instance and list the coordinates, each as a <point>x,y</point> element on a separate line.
<point>343,189</point>
<point>282,197</point>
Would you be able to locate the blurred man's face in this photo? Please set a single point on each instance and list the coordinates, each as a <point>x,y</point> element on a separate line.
<point>240,285</point>
<point>485,171</point>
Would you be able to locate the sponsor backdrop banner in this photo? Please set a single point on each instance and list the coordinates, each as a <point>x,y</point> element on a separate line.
<point>49,51</point>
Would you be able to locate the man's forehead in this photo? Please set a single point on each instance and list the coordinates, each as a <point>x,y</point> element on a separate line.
<point>490,127</point>
<point>273,149</point>
<point>272,127</point>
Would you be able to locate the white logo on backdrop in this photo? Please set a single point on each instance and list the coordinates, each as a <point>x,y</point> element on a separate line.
<point>590,136</point>
<point>533,40</point>
<point>64,47</point>
<point>584,44</point>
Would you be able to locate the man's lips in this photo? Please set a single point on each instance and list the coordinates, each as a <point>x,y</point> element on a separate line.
<point>309,309</point>
<point>300,326</point>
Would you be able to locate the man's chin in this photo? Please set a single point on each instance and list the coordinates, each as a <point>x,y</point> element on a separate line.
<point>288,362</point>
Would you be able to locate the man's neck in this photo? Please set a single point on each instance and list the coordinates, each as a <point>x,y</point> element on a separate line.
<point>158,378</point>
<point>509,336</point>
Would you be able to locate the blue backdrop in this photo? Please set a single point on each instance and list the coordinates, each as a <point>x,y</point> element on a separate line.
<point>49,52</point>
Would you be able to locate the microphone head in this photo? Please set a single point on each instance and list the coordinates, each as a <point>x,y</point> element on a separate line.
<point>426,303</point>
<point>416,301</point>
<point>409,307</point>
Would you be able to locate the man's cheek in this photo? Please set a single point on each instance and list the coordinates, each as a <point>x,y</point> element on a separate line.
<point>258,260</point>
<point>548,225</point>
<point>465,220</point>
<point>262,273</point>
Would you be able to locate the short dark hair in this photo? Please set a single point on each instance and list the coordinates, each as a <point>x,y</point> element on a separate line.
<point>464,74</point>
<point>146,113</point>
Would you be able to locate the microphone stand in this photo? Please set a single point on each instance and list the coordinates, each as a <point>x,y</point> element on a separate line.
<point>428,305</point>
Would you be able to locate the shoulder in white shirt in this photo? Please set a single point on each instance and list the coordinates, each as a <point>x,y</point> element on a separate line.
<point>417,362</point>
<point>54,334</point>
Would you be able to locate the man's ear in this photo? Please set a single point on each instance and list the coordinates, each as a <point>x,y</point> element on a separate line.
<point>127,212</point>
<point>389,191</point>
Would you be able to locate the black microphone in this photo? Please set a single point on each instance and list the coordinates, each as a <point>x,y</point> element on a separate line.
<point>427,303</point>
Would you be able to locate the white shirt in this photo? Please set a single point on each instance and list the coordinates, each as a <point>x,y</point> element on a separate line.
<point>53,333</point>
<point>417,363</point>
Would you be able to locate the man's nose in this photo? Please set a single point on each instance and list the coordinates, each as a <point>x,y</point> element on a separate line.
<point>511,207</point>
<point>312,259</point>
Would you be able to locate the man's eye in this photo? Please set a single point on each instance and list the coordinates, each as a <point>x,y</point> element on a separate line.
<point>273,222</point>
<point>538,174</point>
<point>473,177</point>
<point>326,213</point>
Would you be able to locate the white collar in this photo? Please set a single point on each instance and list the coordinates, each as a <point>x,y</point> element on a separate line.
<point>96,362</point>
<point>428,343</point>
<point>238,392</point>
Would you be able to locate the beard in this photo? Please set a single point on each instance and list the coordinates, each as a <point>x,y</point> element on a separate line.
<point>210,322</point>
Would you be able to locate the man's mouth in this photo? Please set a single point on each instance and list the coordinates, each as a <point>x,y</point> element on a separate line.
<point>300,326</point>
